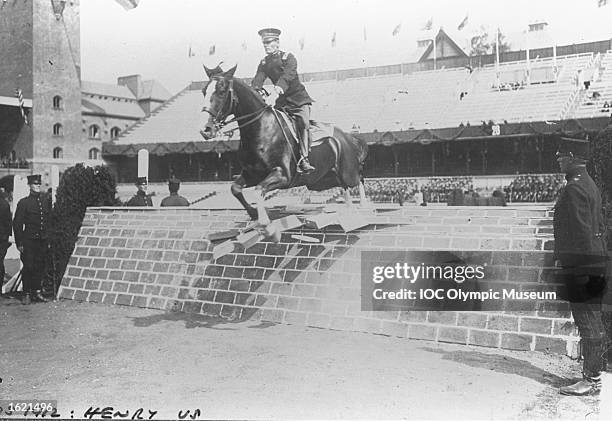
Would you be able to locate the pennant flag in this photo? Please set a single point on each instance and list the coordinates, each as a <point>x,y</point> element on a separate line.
<point>601,3</point>
<point>397,29</point>
<point>301,42</point>
<point>191,53</point>
<point>211,50</point>
<point>333,40</point>
<point>427,25</point>
<point>463,23</point>
<point>19,96</point>
<point>128,4</point>
<point>244,46</point>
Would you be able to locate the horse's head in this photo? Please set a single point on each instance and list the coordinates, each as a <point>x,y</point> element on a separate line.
<point>219,99</point>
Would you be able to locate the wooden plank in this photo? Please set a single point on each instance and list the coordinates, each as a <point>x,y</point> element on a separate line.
<point>249,239</point>
<point>350,223</point>
<point>287,223</point>
<point>223,249</point>
<point>322,220</point>
<point>223,235</point>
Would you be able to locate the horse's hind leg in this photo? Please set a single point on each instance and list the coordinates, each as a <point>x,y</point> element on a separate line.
<point>237,187</point>
<point>347,198</point>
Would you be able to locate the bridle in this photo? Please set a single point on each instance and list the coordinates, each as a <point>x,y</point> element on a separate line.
<point>229,106</point>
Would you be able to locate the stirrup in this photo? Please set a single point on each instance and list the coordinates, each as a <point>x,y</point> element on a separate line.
<point>299,166</point>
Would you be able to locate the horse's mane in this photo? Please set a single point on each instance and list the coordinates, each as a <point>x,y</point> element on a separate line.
<point>248,87</point>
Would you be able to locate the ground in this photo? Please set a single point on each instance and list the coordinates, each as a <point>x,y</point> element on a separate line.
<point>84,354</point>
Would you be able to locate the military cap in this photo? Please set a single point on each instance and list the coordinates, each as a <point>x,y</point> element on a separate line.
<point>573,148</point>
<point>269,34</point>
<point>174,181</point>
<point>141,180</point>
<point>34,179</point>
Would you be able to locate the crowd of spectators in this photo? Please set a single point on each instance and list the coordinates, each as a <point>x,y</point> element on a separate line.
<point>534,188</point>
<point>19,163</point>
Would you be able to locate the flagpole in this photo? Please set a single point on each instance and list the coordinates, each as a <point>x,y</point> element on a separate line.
<point>434,49</point>
<point>527,61</point>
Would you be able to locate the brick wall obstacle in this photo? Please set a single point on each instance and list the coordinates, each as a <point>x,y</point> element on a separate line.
<point>161,258</point>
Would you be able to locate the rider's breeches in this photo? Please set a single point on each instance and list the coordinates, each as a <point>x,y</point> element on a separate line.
<point>302,117</point>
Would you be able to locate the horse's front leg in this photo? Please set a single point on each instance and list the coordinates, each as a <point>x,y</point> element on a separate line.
<point>277,179</point>
<point>348,200</point>
<point>237,187</point>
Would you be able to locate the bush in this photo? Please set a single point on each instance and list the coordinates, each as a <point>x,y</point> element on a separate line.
<point>79,188</point>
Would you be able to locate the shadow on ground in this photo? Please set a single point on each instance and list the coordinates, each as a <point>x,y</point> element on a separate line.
<point>501,364</point>
<point>192,321</point>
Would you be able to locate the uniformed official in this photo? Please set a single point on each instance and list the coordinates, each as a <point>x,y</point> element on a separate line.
<point>281,68</point>
<point>580,249</point>
<point>174,199</point>
<point>30,229</point>
<point>140,198</point>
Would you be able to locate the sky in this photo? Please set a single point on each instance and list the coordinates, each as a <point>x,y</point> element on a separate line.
<point>155,38</point>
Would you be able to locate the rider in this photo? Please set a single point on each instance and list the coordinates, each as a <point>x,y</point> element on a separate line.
<point>281,68</point>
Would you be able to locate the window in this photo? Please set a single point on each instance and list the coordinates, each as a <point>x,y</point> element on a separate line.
<point>58,153</point>
<point>94,153</point>
<point>94,132</point>
<point>58,130</point>
<point>114,133</point>
<point>57,102</point>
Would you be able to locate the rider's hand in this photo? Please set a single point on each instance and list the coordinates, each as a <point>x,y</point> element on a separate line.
<point>270,100</point>
<point>278,90</point>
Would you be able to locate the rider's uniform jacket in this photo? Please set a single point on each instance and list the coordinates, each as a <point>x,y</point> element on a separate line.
<point>281,68</point>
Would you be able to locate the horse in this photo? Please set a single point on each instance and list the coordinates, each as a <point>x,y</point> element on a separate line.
<point>268,149</point>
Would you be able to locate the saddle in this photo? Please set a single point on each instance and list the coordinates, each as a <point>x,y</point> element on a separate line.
<point>318,130</point>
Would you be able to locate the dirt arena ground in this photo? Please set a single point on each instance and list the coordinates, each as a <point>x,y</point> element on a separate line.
<point>88,355</point>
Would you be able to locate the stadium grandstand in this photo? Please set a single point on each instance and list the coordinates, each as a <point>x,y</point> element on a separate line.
<point>470,124</point>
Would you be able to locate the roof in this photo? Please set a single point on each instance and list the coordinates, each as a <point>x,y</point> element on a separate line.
<point>111,106</point>
<point>12,101</point>
<point>106,89</point>
<point>152,89</point>
<point>442,36</point>
<point>180,119</point>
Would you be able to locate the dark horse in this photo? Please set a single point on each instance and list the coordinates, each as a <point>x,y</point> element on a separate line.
<point>268,149</point>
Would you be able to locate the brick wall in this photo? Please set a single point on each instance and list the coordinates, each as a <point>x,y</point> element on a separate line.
<point>160,258</point>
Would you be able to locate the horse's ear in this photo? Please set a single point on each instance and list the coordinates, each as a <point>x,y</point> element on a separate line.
<point>230,73</point>
<point>208,71</point>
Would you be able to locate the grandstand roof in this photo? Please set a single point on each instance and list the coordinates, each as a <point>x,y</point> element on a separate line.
<point>442,37</point>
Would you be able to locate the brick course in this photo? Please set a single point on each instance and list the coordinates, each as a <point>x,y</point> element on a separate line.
<point>169,266</point>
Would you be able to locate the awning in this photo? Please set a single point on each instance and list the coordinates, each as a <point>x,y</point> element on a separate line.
<point>12,101</point>
<point>161,149</point>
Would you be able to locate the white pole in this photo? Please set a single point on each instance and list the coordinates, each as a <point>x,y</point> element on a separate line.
<point>434,48</point>
<point>143,163</point>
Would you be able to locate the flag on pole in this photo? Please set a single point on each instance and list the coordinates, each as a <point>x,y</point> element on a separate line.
<point>428,25</point>
<point>301,42</point>
<point>463,23</point>
<point>19,96</point>
<point>244,46</point>
<point>191,52</point>
<point>333,40</point>
<point>211,50</point>
<point>397,29</point>
<point>602,3</point>
<point>128,4</point>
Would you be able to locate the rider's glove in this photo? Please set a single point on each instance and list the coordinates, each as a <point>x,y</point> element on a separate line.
<point>278,90</point>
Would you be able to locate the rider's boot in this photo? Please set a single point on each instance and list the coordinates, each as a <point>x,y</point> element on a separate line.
<point>303,164</point>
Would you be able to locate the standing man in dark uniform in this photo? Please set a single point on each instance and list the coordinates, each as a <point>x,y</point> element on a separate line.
<point>140,198</point>
<point>174,199</point>
<point>581,251</point>
<point>30,228</point>
<point>281,68</point>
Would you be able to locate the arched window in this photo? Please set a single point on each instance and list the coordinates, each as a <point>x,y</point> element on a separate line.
<point>57,102</point>
<point>94,132</point>
<point>94,153</point>
<point>58,153</point>
<point>114,133</point>
<point>58,130</point>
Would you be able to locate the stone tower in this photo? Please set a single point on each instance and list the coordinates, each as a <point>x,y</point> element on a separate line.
<point>40,50</point>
